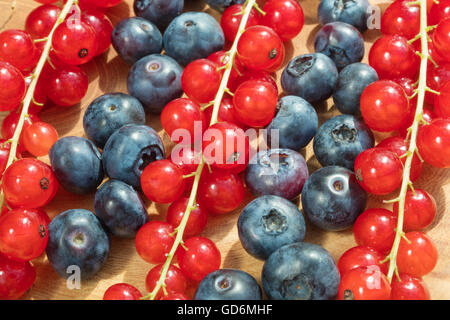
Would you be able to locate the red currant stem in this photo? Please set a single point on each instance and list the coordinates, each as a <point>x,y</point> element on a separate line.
<point>11,14</point>
<point>258,8</point>
<point>40,40</point>
<point>190,175</point>
<point>248,5</point>
<point>30,92</point>
<point>406,182</point>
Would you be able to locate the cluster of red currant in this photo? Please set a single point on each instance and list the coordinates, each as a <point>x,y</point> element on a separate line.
<point>396,103</point>
<point>37,63</point>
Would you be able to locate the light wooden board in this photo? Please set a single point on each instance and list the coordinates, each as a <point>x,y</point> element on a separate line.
<point>108,74</point>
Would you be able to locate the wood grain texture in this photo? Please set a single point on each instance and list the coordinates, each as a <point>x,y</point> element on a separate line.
<point>108,74</point>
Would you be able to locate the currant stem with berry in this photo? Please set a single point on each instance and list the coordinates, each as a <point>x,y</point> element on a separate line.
<point>179,231</point>
<point>31,89</point>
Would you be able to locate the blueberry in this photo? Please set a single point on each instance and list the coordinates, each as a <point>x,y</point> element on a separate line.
<point>342,42</point>
<point>279,172</point>
<point>353,79</point>
<point>353,12</point>
<point>221,5</point>
<point>296,122</point>
<point>160,12</point>
<point>340,140</point>
<point>155,80</point>
<point>77,240</point>
<point>332,198</point>
<point>134,38</point>
<point>77,164</point>
<point>192,36</point>
<point>108,113</point>
<point>268,223</point>
<point>129,150</point>
<point>300,271</point>
<point>120,209</point>
<point>312,77</point>
<point>228,284</point>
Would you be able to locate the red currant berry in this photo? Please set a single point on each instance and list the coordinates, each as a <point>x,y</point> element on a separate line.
<point>226,113</point>
<point>226,146</point>
<point>409,288</point>
<point>360,256</point>
<point>221,192</point>
<point>105,3</point>
<point>198,258</point>
<point>231,20</point>
<point>23,235</point>
<point>197,218</point>
<point>74,41</point>
<point>186,115</point>
<point>256,75</point>
<point>154,241</point>
<point>39,137</point>
<point>174,296</point>
<point>41,20</point>
<point>375,228</point>
<point>417,256</point>
<point>441,38</point>
<point>17,48</point>
<point>102,27</point>
<point>439,11</point>
<point>122,291</point>
<point>401,18</point>
<point>433,141</point>
<point>162,181</point>
<point>201,80</point>
<point>175,280</point>
<point>364,284</point>
<point>16,278</point>
<point>29,183</point>
<point>12,89</point>
<point>255,103</point>
<point>436,77</point>
<point>420,210</point>
<point>260,48</point>
<point>66,86</point>
<point>379,171</point>
<point>442,101</point>
<point>285,17</point>
<point>392,57</point>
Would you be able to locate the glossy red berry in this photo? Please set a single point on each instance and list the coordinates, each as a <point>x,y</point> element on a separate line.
<point>439,11</point>
<point>255,103</point>
<point>360,256</point>
<point>16,278</point>
<point>183,120</point>
<point>231,20</point>
<point>375,228</point>
<point>409,288</point>
<point>102,27</point>
<point>364,283</point>
<point>226,113</point>
<point>420,210</point>
<point>162,181</point>
<point>401,18</point>
<point>174,296</point>
<point>39,137</point>
<point>175,280</point>
<point>433,141</point>
<point>199,258</point>
<point>105,3</point>
<point>392,57</point>
<point>221,192</point>
<point>417,256</point>
<point>442,101</point>
<point>17,48</point>
<point>154,241</point>
<point>201,80</point>
<point>436,78</point>
<point>41,20</point>
<point>226,147</point>
<point>441,38</point>
<point>122,291</point>
<point>379,171</point>
<point>260,48</point>
<point>66,86</point>
<point>285,17</point>
<point>256,75</point>
<point>198,217</point>
<point>23,234</point>
<point>12,90</point>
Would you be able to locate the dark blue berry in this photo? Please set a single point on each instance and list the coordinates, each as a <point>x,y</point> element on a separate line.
<point>155,80</point>
<point>340,140</point>
<point>110,112</point>
<point>354,12</point>
<point>129,150</point>
<point>134,38</point>
<point>300,271</point>
<point>120,209</point>
<point>192,36</point>
<point>228,284</point>
<point>268,223</point>
<point>160,12</point>
<point>312,77</point>
<point>77,164</point>
<point>77,240</point>
<point>332,198</point>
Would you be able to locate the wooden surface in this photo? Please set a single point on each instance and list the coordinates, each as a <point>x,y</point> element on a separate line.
<point>108,74</point>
